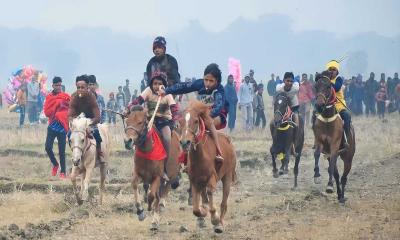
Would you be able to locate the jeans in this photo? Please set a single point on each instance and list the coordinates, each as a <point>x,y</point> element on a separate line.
<point>247,116</point>
<point>260,117</point>
<point>111,117</point>
<point>232,115</point>
<point>33,112</point>
<point>21,115</point>
<point>345,115</point>
<point>61,138</point>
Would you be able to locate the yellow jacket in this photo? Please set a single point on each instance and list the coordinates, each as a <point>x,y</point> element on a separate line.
<point>337,84</point>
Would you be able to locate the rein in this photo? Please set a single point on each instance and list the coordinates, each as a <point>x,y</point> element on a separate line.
<point>87,145</point>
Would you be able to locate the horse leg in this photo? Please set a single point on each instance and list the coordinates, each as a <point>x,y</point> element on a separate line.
<point>296,169</point>
<point>146,190</point>
<point>154,202</point>
<point>85,194</point>
<point>83,175</point>
<point>286,162</point>
<point>190,195</point>
<point>338,188</point>
<point>75,172</point>
<point>343,180</point>
<point>138,205</point>
<point>198,210</point>
<point>332,165</point>
<point>317,175</point>
<point>274,169</point>
<point>164,189</point>
<point>103,173</point>
<point>226,187</point>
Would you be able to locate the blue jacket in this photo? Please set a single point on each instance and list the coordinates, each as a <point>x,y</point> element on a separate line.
<point>217,94</point>
<point>230,94</point>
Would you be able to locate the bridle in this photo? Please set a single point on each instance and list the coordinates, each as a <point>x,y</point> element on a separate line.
<point>330,100</point>
<point>141,133</point>
<point>84,149</point>
<point>287,116</point>
<point>198,134</point>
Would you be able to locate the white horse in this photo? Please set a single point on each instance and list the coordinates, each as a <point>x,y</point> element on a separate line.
<point>84,153</point>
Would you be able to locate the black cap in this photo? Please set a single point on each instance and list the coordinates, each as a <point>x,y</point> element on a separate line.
<point>57,80</point>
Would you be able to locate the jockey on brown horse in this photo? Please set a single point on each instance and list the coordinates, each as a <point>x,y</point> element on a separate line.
<point>212,92</point>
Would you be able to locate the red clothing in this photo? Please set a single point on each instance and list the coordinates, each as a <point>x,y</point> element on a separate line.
<point>306,93</point>
<point>56,108</point>
<point>157,153</point>
<point>381,95</point>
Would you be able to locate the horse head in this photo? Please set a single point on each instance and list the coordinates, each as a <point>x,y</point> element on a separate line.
<point>136,127</point>
<point>281,108</point>
<point>325,94</point>
<point>192,125</point>
<point>79,137</point>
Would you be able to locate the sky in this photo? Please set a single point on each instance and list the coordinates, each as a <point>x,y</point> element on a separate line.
<point>154,17</point>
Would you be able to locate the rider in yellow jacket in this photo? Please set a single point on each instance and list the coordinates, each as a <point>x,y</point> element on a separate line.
<point>337,83</point>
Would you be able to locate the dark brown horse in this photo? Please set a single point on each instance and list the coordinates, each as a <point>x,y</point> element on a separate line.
<point>146,170</point>
<point>204,173</point>
<point>287,138</point>
<point>329,136</point>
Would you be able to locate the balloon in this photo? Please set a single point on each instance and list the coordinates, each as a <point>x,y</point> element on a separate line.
<point>235,70</point>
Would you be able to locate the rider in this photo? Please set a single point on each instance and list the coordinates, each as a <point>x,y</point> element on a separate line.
<point>84,101</point>
<point>162,62</point>
<point>290,86</point>
<point>166,113</point>
<point>337,83</point>
<point>212,91</point>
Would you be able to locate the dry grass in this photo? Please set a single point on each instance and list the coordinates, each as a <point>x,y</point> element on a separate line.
<point>260,207</point>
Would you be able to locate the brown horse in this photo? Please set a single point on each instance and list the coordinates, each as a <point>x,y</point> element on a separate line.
<point>329,136</point>
<point>287,138</point>
<point>204,173</point>
<point>146,170</point>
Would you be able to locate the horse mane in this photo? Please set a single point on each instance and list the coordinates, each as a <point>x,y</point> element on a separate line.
<point>138,108</point>
<point>199,107</point>
<point>323,77</point>
<point>285,95</point>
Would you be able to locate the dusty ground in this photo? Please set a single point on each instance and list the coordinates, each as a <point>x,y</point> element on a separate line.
<point>34,205</point>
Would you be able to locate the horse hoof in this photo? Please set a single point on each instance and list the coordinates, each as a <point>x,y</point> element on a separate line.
<point>286,171</point>
<point>201,222</point>
<point>219,228</point>
<point>317,180</point>
<point>141,215</point>
<point>275,174</point>
<point>342,200</point>
<point>80,202</point>
<point>281,172</point>
<point>154,226</point>
<point>162,207</point>
<point>294,188</point>
<point>215,221</point>
<point>329,189</point>
<point>190,201</point>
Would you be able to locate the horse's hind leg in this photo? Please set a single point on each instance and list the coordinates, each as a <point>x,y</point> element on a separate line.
<point>338,188</point>
<point>146,190</point>
<point>226,187</point>
<point>274,169</point>
<point>317,175</point>
<point>103,173</point>
<point>343,180</point>
<point>138,205</point>
<point>331,169</point>
<point>164,189</point>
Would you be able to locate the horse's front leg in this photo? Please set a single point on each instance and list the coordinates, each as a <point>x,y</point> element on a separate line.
<point>274,169</point>
<point>331,169</point>
<point>75,172</point>
<point>103,173</point>
<point>139,208</point>
<point>287,159</point>
<point>317,154</point>
<point>86,182</point>
<point>154,202</point>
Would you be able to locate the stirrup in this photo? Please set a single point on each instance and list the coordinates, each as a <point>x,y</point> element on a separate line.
<point>219,158</point>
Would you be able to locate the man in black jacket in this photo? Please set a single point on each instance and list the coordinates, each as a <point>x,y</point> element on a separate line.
<point>163,62</point>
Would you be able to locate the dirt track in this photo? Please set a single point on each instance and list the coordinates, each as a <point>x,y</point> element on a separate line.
<point>260,206</point>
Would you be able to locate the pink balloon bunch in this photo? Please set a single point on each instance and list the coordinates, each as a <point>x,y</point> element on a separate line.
<point>235,70</point>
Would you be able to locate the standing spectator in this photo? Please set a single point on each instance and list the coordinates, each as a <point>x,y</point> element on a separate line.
<point>94,88</point>
<point>135,94</point>
<point>143,83</point>
<point>391,86</point>
<point>245,100</point>
<point>21,101</point>
<point>1,101</point>
<point>271,87</point>
<point>252,80</point>
<point>32,100</point>
<point>306,95</point>
<point>358,96</point>
<point>127,92</point>
<point>398,96</point>
<point>232,99</point>
<point>56,109</point>
<point>112,105</point>
<point>120,99</point>
<point>381,97</point>
<point>259,105</point>
<point>371,88</point>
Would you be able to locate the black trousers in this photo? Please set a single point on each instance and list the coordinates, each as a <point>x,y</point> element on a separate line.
<point>260,117</point>
<point>61,138</point>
